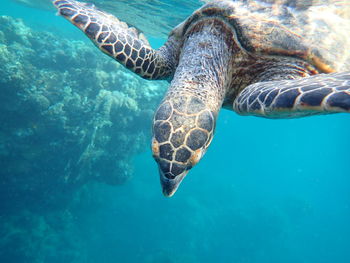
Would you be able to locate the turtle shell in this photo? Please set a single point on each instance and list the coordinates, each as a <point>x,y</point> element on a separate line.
<point>315,31</point>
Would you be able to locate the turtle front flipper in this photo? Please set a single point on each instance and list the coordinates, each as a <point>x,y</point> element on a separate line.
<point>319,94</point>
<point>115,38</point>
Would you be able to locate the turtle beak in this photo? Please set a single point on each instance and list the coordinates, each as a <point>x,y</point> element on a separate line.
<point>169,186</point>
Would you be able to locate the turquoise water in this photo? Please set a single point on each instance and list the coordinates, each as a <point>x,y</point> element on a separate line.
<point>267,191</point>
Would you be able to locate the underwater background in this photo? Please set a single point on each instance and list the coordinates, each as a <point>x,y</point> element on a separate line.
<point>78,182</point>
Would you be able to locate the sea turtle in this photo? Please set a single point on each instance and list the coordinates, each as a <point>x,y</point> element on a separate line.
<point>274,59</point>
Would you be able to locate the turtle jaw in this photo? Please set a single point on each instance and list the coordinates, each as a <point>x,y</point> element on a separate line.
<point>172,172</point>
<point>170,185</point>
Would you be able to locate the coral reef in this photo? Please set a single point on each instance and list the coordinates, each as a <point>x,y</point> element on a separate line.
<point>28,237</point>
<point>69,115</point>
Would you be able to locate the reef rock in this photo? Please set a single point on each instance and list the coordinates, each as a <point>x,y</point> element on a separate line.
<point>68,115</point>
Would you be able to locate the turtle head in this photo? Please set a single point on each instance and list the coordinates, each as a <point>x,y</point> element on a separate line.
<point>184,123</point>
<point>182,130</point>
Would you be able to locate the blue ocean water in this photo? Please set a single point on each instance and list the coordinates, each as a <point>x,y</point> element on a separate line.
<point>267,191</point>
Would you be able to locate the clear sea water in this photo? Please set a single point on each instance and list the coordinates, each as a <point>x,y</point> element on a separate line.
<point>267,191</point>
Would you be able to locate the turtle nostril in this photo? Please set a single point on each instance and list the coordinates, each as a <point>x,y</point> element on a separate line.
<point>171,170</point>
<point>177,169</point>
<point>169,176</point>
<point>164,166</point>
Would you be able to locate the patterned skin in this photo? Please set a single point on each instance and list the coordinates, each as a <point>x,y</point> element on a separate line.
<point>118,40</point>
<point>256,58</point>
<point>319,94</point>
